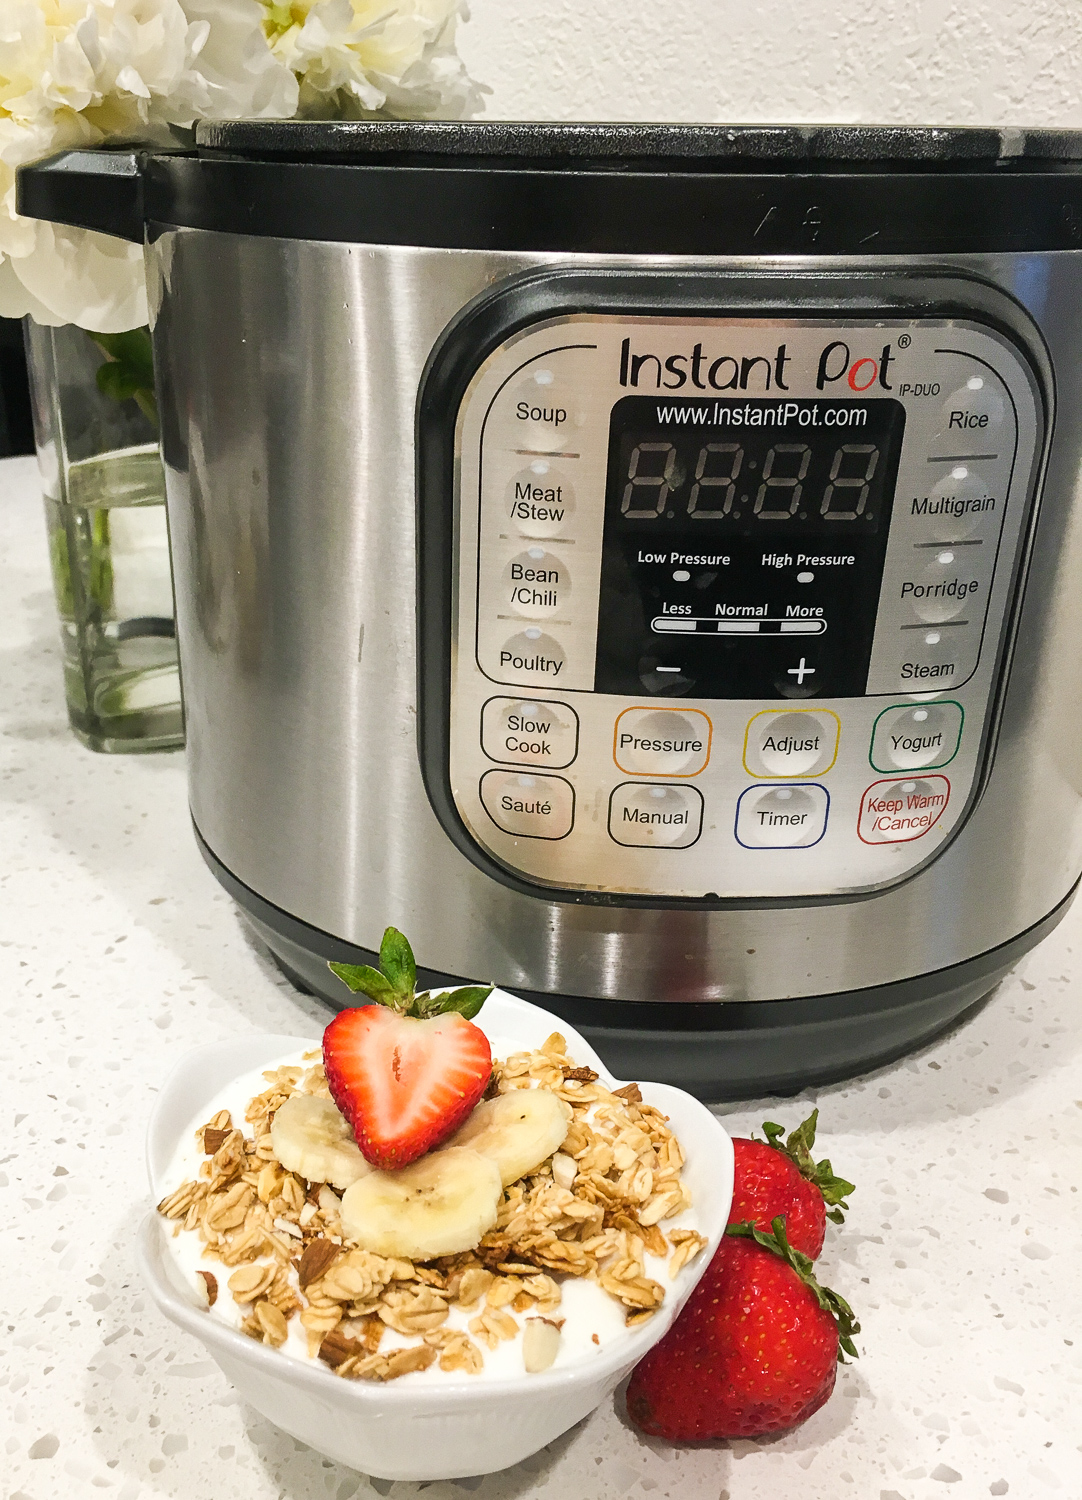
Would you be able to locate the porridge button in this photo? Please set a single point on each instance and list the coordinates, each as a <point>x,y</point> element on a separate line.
<point>528,804</point>
<point>647,815</point>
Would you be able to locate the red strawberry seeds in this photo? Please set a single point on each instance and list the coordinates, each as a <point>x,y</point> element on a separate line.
<point>403,1083</point>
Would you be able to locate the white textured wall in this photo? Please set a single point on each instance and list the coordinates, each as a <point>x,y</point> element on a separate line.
<point>994,62</point>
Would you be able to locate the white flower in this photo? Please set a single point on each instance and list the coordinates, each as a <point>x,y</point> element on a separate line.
<point>78,72</point>
<point>357,57</point>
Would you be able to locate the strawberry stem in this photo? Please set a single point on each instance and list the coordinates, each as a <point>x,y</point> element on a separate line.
<point>798,1149</point>
<point>393,983</point>
<point>830,1301</point>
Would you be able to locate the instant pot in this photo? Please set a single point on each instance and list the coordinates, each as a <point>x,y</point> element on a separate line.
<point>640,562</point>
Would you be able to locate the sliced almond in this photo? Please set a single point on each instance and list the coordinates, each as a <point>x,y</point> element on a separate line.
<point>540,1344</point>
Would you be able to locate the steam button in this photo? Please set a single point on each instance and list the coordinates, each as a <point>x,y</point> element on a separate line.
<point>528,804</point>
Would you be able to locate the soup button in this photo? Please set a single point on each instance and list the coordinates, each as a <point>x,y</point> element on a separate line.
<point>532,806</point>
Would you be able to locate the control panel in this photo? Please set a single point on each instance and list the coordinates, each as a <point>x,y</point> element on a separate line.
<point>729,596</point>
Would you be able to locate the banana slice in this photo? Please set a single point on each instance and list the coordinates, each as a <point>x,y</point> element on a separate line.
<point>518,1130</point>
<point>439,1205</point>
<point>311,1137</point>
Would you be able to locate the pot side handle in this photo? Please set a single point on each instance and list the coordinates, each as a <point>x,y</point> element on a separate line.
<point>101,189</point>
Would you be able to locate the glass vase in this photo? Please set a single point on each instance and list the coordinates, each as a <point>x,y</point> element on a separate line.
<point>96,433</point>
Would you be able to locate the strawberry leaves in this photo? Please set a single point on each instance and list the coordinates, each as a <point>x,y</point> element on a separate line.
<point>798,1148</point>
<point>394,983</point>
<point>830,1301</point>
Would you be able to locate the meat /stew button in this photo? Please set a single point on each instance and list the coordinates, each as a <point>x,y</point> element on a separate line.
<point>896,812</point>
<point>527,804</point>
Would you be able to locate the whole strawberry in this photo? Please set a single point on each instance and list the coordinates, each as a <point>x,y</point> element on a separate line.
<point>772,1177</point>
<point>755,1350</point>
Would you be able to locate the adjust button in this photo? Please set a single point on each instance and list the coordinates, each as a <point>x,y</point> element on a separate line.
<point>896,812</point>
<point>529,732</point>
<point>662,742</point>
<point>798,742</point>
<point>647,815</point>
<point>908,738</point>
<point>781,817</point>
<point>533,806</point>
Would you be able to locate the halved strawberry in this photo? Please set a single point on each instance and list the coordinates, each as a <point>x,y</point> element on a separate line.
<point>406,1070</point>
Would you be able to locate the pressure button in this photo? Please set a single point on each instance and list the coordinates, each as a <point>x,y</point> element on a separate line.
<point>530,805</point>
<point>915,738</point>
<point>529,732</point>
<point>662,742</point>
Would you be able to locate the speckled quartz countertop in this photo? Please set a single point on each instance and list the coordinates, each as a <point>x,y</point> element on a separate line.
<point>118,951</point>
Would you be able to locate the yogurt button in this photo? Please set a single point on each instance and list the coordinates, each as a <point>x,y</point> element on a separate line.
<point>897,812</point>
<point>661,742</point>
<point>529,731</point>
<point>646,815</point>
<point>799,742</point>
<point>781,817</point>
<point>907,738</point>
<point>533,806</point>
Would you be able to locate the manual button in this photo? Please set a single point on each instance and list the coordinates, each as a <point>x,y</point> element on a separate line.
<point>532,806</point>
<point>529,732</point>
<point>646,815</point>
<point>662,742</point>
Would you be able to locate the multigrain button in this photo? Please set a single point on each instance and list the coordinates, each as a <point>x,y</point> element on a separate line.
<point>910,737</point>
<point>529,732</point>
<point>782,817</point>
<point>647,815</point>
<point>530,805</point>
<point>532,653</point>
<point>662,742</point>
<point>896,812</point>
<point>797,742</point>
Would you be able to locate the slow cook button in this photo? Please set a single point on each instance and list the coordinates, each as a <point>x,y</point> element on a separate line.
<point>798,742</point>
<point>782,817</point>
<point>660,742</point>
<point>649,816</point>
<point>915,738</point>
<point>529,732</point>
<point>896,812</point>
<point>532,806</point>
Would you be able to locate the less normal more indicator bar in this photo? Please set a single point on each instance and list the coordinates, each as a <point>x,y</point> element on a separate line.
<point>702,625</point>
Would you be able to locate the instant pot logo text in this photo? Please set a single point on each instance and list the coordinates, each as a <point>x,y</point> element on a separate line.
<point>756,372</point>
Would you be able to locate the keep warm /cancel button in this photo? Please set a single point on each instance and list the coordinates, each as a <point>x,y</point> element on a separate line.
<point>896,812</point>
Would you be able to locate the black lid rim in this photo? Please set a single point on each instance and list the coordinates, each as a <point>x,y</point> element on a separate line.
<point>665,143</point>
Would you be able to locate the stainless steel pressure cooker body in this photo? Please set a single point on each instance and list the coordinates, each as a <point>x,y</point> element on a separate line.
<point>641,563</point>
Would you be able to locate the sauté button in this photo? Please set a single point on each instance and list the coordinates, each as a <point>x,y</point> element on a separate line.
<point>910,737</point>
<point>781,817</point>
<point>647,815</point>
<point>533,806</point>
<point>798,742</point>
<point>896,812</point>
<point>529,731</point>
<point>662,742</point>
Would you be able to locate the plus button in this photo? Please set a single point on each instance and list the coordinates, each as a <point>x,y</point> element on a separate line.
<point>802,671</point>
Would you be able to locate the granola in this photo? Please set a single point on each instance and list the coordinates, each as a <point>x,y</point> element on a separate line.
<point>594,1211</point>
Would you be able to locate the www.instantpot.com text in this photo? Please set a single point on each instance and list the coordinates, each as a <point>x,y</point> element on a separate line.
<point>762,414</point>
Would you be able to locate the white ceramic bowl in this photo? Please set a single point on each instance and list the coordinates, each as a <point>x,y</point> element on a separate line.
<point>421,1431</point>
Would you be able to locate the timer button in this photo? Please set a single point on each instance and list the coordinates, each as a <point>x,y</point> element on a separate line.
<point>529,732</point>
<point>530,805</point>
<point>798,742</point>
<point>782,817</point>
<point>660,742</point>
<point>915,738</point>
<point>649,816</point>
<point>897,812</point>
<point>532,654</point>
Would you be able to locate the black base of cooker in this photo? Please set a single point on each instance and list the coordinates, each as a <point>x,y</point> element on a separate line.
<point>736,1050</point>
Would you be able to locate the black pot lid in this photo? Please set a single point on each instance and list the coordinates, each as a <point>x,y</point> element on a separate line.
<point>642,147</point>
